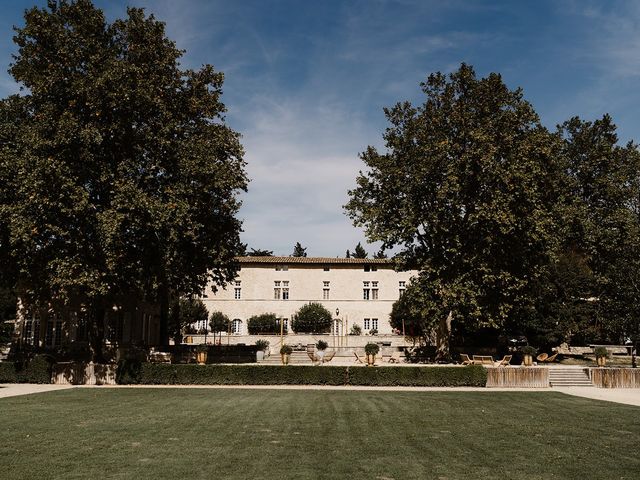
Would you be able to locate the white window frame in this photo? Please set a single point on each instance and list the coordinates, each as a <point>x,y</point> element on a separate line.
<point>236,326</point>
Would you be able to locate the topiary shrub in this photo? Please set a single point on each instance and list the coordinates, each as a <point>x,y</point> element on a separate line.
<point>312,318</point>
<point>321,345</point>
<point>264,323</point>
<point>286,350</point>
<point>371,348</point>
<point>601,352</point>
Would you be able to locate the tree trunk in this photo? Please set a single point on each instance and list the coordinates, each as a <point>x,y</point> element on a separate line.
<point>443,335</point>
<point>164,316</point>
<point>96,333</point>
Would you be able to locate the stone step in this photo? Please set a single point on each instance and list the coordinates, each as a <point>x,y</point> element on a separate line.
<point>569,377</point>
<point>296,358</point>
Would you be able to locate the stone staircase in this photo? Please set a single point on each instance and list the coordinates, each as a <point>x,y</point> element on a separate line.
<point>569,377</point>
<point>296,358</point>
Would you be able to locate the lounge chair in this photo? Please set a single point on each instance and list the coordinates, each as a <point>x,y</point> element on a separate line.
<point>483,360</point>
<point>551,359</point>
<point>504,362</point>
<point>542,357</point>
<point>395,357</point>
<point>313,357</point>
<point>328,356</point>
<point>465,359</point>
<point>360,359</point>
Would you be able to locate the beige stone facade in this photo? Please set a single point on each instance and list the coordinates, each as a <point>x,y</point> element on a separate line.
<point>361,291</point>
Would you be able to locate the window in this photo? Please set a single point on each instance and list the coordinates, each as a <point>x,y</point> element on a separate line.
<point>237,293</point>
<point>370,324</point>
<point>54,332</point>
<point>31,331</point>
<point>370,268</point>
<point>374,290</point>
<point>285,321</point>
<point>281,290</point>
<point>401,288</point>
<point>236,326</point>
<point>325,290</point>
<point>366,291</point>
<point>282,268</point>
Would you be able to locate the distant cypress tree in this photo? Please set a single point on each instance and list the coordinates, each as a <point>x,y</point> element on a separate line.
<point>359,252</point>
<point>299,250</point>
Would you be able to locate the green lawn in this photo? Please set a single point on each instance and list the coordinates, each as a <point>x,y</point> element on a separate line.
<point>251,434</point>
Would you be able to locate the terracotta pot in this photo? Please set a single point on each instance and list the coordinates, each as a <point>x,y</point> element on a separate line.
<point>371,360</point>
<point>602,361</point>
<point>285,358</point>
<point>528,360</point>
<point>201,358</point>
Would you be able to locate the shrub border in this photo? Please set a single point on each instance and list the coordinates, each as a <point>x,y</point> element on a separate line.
<point>177,374</point>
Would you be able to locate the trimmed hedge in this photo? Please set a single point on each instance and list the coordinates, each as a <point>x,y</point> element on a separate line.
<point>470,376</point>
<point>163,374</point>
<point>37,370</point>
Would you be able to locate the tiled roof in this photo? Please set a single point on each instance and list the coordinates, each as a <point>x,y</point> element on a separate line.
<point>317,260</point>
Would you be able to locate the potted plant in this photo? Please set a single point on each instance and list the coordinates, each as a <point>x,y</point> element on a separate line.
<point>262,346</point>
<point>321,347</point>
<point>601,355</point>
<point>371,349</point>
<point>201,354</point>
<point>373,331</point>
<point>355,329</point>
<point>528,352</point>
<point>285,351</point>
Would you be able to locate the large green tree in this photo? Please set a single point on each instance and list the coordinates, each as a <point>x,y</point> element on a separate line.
<point>119,175</point>
<point>466,188</point>
<point>605,188</point>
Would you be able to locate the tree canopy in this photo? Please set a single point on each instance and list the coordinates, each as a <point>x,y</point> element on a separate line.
<point>119,178</point>
<point>467,189</point>
<point>513,228</point>
<point>312,318</point>
<point>256,252</point>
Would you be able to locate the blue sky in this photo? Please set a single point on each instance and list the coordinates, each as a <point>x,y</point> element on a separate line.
<point>306,82</point>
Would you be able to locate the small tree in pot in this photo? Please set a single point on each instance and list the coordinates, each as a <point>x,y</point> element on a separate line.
<point>601,355</point>
<point>262,346</point>
<point>285,351</point>
<point>528,352</point>
<point>321,347</point>
<point>371,349</point>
